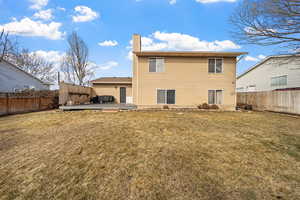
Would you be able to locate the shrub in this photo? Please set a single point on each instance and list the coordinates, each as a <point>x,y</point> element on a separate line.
<point>248,107</point>
<point>214,107</point>
<point>165,107</point>
<point>205,106</point>
<point>244,106</point>
<point>199,106</point>
<point>240,105</point>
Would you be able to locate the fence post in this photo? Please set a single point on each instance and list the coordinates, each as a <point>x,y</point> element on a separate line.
<point>39,102</point>
<point>7,103</point>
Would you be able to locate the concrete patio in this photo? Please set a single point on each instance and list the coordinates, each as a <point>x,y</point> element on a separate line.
<point>99,107</point>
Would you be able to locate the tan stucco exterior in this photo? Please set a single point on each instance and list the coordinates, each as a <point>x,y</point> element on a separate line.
<point>189,77</point>
<point>186,73</point>
<point>112,89</point>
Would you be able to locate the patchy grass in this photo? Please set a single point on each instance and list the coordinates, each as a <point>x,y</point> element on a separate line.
<point>150,155</point>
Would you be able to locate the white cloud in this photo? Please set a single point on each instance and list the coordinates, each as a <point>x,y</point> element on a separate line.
<point>161,41</point>
<point>105,66</point>
<point>183,42</point>
<point>84,14</point>
<point>51,56</point>
<point>148,44</point>
<point>170,1</point>
<point>255,59</point>
<point>173,2</point>
<point>44,14</point>
<point>108,43</point>
<point>250,58</point>
<point>261,56</point>
<point>38,4</point>
<point>28,27</point>
<point>215,1</point>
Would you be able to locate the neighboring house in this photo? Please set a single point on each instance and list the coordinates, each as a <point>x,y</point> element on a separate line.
<point>176,79</point>
<point>119,87</point>
<point>13,79</point>
<point>272,73</point>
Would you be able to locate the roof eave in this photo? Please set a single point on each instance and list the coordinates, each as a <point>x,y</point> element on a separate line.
<point>188,54</point>
<point>97,82</point>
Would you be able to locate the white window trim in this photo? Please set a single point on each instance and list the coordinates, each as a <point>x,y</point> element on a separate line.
<point>216,96</point>
<point>215,58</point>
<point>156,65</point>
<point>165,96</point>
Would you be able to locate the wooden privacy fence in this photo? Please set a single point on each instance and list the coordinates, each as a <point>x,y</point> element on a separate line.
<point>278,101</point>
<point>12,103</point>
<point>74,94</point>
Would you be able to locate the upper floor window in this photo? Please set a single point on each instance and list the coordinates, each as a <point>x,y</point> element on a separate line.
<point>279,81</point>
<point>215,65</point>
<point>156,64</point>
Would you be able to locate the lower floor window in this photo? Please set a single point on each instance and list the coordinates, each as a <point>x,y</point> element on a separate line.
<point>215,96</point>
<point>166,96</point>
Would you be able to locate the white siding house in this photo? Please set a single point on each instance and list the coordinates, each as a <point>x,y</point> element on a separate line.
<point>274,72</point>
<point>13,79</point>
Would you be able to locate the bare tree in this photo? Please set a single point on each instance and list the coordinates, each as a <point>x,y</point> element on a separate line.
<point>268,22</point>
<point>8,48</point>
<point>27,61</point>
<point>36,66</point>
<point>76,66</point>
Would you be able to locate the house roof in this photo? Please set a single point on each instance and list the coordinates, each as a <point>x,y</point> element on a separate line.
<point>16,67</point>
<point>189,53</point>
<point>265,60</point>
<point>113,80</point>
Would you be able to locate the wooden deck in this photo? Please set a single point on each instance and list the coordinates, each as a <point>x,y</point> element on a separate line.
<point>100,107</point>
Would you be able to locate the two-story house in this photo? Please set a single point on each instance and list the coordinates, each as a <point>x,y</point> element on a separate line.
<point>178,79</point>
<point>183,79</point>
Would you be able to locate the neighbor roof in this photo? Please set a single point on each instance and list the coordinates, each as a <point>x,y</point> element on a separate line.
<point>265,60</point>
<point>189,53</point>
<point>113,80</point>
<point>15,66</point>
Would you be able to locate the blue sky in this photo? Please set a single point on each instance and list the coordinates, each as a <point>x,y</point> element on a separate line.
<point>107,27</point>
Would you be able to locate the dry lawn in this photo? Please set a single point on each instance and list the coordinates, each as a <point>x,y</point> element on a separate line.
<point>150,155</point>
